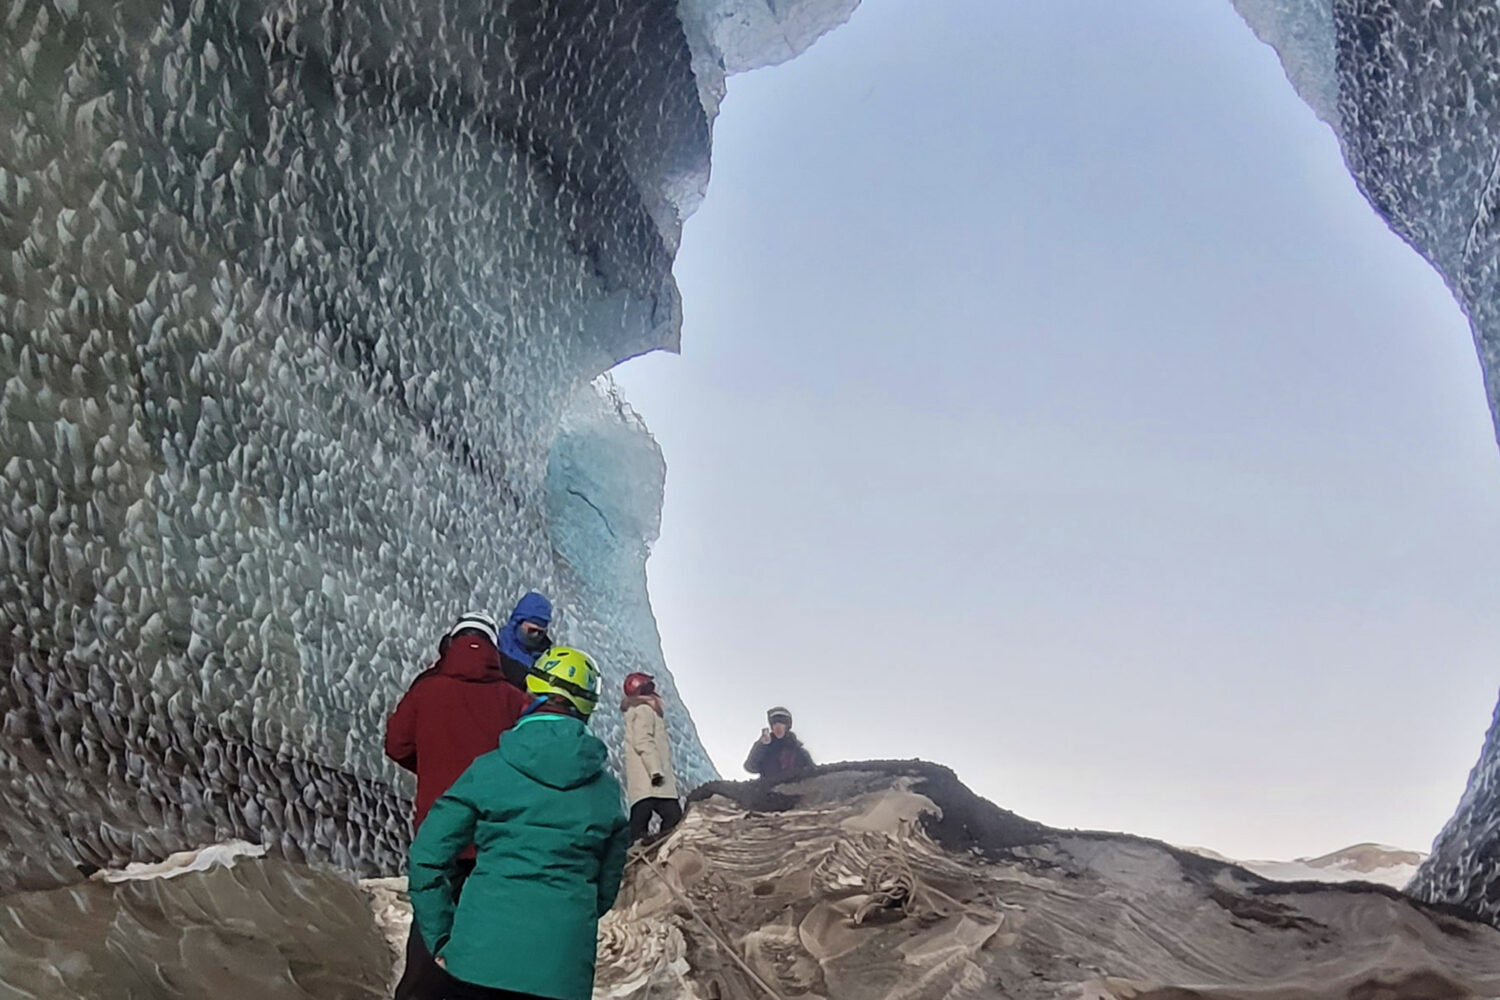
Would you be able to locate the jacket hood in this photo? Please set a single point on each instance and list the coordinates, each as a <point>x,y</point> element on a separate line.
<point>653,701</point>
<point>532,608</point>
<point>553,750</point>
<point>471,658</point>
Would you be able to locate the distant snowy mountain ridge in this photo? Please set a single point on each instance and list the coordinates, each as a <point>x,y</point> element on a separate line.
<point>1378,863</point>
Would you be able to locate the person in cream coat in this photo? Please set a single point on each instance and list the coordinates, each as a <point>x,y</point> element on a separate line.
<point>650,782</point>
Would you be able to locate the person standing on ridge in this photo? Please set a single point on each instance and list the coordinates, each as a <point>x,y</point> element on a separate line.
<point>454,711</point>
<point>778,752</point>
<point>546,815</point>
<point>650,781</point>
<point>524,637</point>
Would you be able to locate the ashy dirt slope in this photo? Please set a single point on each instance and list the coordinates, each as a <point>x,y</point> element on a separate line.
<point>261,930</point>
<point>872,881</point>
<point>894,881</point>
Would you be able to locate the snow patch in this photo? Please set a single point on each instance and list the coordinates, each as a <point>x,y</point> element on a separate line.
<point>391,907</point>
<point>199,860</point>
<point>1378,863</point>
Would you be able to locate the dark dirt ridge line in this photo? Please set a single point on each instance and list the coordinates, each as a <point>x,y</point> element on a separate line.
<point>972,823</point>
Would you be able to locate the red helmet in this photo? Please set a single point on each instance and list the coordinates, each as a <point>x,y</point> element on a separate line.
<point>638,683</point>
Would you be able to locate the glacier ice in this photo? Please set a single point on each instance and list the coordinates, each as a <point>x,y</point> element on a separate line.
<point>1410,89</point>
<point>1464,868</point>
<point>604,493</point>
<point>732,36</point>
<point>294,299</point>
<point>1301,32</point>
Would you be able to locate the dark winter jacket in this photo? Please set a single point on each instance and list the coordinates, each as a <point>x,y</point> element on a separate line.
<point>552,837</point>
<point>516,659</point>
<point>778,758</point>
<point>453,712</point>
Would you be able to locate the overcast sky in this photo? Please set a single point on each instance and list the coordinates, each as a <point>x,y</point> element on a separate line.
<point>1052,406</point>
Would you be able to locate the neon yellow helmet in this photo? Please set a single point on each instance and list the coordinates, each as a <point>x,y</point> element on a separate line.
<point>567,673</point>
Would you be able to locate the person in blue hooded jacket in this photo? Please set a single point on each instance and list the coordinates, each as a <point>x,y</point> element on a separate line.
<point>524,637</point>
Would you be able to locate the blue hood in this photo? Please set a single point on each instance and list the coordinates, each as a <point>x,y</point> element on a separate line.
<point>532,608</point>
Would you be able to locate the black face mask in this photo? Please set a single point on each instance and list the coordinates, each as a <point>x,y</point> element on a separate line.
<point>534,642</point>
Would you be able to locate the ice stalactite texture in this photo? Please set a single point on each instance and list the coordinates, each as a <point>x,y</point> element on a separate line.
<point>292,300</point>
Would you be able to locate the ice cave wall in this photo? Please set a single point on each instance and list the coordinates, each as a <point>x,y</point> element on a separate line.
<point>1411,89</point>
<point>294,297</point>
<point>300,304</point>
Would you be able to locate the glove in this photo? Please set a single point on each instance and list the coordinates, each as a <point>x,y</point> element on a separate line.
<point>657,780</point>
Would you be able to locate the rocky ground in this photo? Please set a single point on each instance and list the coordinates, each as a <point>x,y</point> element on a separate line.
<point>857,882</point>
<point>894,881</point>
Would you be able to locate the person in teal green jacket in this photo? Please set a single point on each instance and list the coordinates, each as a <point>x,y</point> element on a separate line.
<point>551,835</point>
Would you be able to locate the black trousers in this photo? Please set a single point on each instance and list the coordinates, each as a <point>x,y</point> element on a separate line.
<point>423,978</point>
<point>670,811</point>
<point>457,989</point>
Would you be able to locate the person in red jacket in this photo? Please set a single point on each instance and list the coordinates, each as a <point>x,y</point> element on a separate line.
<point>453,712</point>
